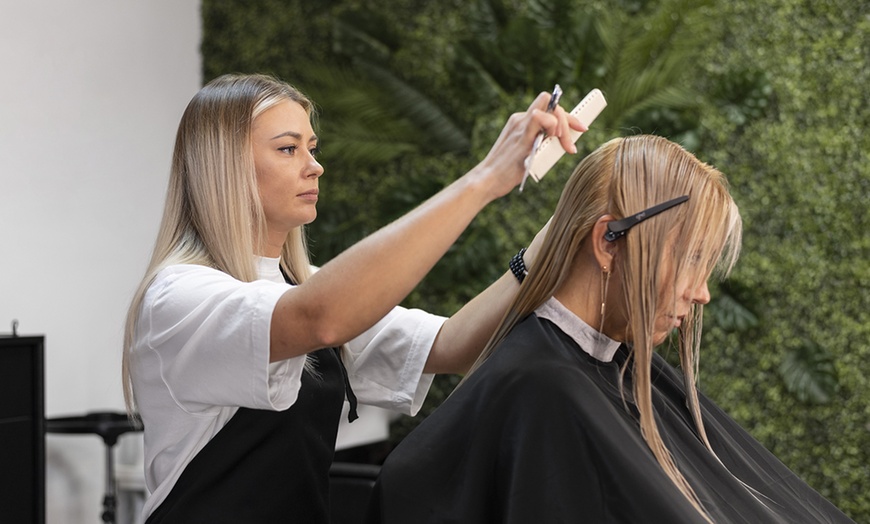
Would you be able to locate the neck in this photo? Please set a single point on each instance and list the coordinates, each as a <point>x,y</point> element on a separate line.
<point>581,293</point>
<point>272,245</point>
<point>269,251</point>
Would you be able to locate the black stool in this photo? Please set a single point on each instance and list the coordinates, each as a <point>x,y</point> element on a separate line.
<point>107,425</point>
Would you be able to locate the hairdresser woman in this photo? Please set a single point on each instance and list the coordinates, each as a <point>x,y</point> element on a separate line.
<point>237,357</point>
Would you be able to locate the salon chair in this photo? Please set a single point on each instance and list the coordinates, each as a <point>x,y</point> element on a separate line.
<point>350,488</point>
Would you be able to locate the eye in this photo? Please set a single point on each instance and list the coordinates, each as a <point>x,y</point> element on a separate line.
<point>315,151</point>
<point>290,150</point>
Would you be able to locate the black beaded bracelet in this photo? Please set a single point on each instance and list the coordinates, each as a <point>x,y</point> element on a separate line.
<point>518,266</point>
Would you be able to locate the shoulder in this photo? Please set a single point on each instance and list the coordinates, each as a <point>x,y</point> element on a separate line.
<point>201,281</point>
<point>182,283</point>
<point>536,363</point>
<point>189,275</point>
<point>189,291</point>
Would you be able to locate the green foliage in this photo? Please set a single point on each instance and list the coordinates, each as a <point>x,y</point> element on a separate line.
<point>809,373</point>
<point>731,314</point>
<point>788,81</point>
<point>412,94</point>
<point>268,36</point>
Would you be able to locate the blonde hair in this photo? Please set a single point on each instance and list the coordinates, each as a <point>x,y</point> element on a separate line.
<point>623,177</point>
<point>213,215</point>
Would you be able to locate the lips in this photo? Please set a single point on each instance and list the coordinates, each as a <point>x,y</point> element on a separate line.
<point>309,195</point>
<point>677,321</point>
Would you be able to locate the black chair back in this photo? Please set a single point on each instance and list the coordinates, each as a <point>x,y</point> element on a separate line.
<point>350,489</point>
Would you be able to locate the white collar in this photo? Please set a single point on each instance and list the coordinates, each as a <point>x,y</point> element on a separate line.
<point>598,345</point>
<point>269,269</point>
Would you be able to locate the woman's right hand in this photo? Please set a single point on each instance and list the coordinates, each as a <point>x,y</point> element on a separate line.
<point>505,164</point>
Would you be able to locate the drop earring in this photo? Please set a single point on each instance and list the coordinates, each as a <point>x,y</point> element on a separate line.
<point>605,283</point>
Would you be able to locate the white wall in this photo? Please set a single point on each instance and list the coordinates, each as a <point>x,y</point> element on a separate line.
<point>90,95</point>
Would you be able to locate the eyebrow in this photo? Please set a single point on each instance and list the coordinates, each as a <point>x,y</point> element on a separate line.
<point>295,135</point>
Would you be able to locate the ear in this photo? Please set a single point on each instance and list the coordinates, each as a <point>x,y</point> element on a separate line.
<point>603,250</point>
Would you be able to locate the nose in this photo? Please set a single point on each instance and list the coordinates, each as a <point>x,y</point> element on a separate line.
<point>314,169</point>
<point>701,294</point>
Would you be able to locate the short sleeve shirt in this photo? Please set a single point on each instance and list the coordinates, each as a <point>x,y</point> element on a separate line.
<point>201,351</point>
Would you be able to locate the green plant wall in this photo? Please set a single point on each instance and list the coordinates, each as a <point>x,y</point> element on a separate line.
<point>798,163</point>
<point>772,92</point>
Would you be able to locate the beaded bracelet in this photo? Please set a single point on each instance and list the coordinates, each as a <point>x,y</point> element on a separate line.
<point>518,266</point>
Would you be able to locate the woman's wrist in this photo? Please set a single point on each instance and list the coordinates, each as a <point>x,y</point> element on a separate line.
<point>468,194</point>
<point>517,266</point>
<point>525,258</point>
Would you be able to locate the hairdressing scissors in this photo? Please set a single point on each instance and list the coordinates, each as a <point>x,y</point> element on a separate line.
<point>551,106</point>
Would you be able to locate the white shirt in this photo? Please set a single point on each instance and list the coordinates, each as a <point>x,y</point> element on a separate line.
<point>201,351</point>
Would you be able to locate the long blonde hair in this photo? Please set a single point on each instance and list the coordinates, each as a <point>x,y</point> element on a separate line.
<point>623,177</point>
<point>213,215</point>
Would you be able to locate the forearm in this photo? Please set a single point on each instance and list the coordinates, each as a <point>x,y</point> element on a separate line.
<point>358,287</point>
<point>354,290</point>
<point>464,335</point>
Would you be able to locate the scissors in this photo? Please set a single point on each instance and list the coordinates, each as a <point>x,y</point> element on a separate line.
<point>551,106</point>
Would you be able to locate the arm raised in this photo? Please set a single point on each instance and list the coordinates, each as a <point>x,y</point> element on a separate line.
<point>358,287</point>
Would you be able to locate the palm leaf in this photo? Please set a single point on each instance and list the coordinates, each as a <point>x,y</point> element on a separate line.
<point>809,374</point>
<point>439,132</point>
<point>645,58</point>
<point>372,99</point>
<point>731,315</point>
<point>357,125</point>
<point>351,40</point>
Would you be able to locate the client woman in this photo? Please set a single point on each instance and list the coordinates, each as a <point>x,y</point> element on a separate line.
<point>570,415</point>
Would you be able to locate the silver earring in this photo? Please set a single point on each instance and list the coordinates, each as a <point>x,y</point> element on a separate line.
<point>605,283</point>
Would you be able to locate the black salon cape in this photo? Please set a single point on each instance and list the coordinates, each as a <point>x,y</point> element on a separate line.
<point>540,434</point>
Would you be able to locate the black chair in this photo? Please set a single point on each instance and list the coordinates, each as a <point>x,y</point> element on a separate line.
<point>109,426</point>
<point>350,489</point>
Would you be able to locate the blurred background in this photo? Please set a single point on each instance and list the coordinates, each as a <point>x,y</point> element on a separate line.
<point>410,95</point>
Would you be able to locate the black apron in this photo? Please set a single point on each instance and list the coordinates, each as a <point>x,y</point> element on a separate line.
<point>267,466</point>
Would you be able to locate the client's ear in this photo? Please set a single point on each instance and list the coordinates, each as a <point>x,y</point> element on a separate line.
<point>604,251</point>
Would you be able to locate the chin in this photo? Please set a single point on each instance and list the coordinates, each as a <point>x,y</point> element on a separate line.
<point>661,335</point>
<point>307,219</point>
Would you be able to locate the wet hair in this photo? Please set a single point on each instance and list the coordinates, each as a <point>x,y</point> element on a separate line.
<point>696,238</point>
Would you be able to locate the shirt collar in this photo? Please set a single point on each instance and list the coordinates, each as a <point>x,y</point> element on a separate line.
<point>269,269</point>
<point>598,345</point>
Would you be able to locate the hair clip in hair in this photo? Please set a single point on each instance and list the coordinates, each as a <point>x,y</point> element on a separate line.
<point>618,228</point>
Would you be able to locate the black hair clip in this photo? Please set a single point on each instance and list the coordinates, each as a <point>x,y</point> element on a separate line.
<point>618,228</point>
